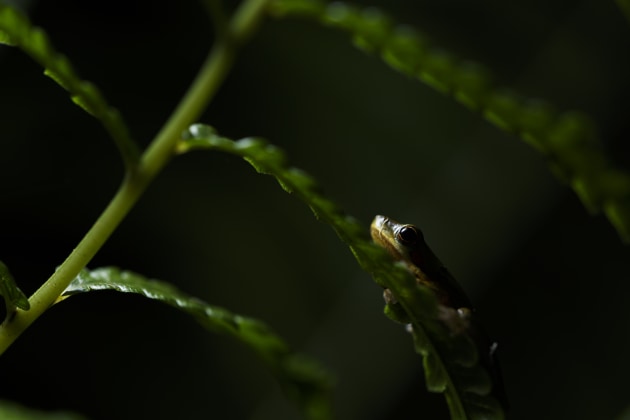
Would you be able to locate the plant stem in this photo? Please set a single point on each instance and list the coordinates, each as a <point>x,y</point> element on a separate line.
<point>152,161</point>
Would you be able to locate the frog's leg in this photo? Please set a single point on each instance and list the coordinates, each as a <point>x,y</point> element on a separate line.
<point>456,320</point>
<point>389,297</point>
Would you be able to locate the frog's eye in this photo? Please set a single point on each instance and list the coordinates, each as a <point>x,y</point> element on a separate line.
<point>408,235</point>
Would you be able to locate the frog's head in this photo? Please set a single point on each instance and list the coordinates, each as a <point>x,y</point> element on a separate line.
<point>399,239</point>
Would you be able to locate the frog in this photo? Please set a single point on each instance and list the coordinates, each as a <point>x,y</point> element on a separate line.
<point>406,244</point>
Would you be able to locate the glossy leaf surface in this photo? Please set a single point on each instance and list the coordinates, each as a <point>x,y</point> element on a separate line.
<point>9,290</point>
<point>16,30</point>
<point>302,379</point>
<point>451,363</point>
<point>569,141</point>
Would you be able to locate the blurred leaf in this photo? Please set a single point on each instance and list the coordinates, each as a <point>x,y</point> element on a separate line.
<point>625,415</point>
<point>303,380</point>
<point>16,30</point>
<point>625,7</point>
<point>451,363</point>
<point>11,293</point>
<point>217,14</point>
<point>13,411</point>
<point>299,7</point>
<point>569,141</point>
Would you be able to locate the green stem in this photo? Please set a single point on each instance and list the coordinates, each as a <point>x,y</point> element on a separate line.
<point>153,160</point>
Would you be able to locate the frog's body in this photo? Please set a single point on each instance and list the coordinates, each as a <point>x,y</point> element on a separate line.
<point>406,244</point>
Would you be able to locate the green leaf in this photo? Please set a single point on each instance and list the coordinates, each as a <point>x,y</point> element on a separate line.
<point>407,50</point>
<point>625,414</point>
<point>5,39</point>
<point>299,7</point>
<point>13,411</point>
<point>569,141</point>
<point>625,7</point>
<point>16,30</point>
<point>11,293</point>
<point>302,379</point>
<point>451,363</point>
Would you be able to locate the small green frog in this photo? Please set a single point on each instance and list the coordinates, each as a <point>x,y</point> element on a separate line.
<point>406,244</point>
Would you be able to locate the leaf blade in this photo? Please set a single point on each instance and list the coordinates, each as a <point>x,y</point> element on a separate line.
<point>9,290</point>
<point>13,411</point>
<point>452,363</point>
<point>302,379</point>
<point>16,30</point>
<point>568,141</point>
<point>624,5</point>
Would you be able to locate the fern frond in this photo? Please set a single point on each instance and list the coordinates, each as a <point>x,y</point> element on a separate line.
<point>451,363</point>
<point>569,141</point>
<point>624,5</point>
<point>10,410</point>
<point>302,379</point>
<point>16,30</point>
<point>11,293</point>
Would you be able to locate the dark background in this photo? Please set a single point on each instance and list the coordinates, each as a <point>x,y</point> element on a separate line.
<point>549,280</point>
